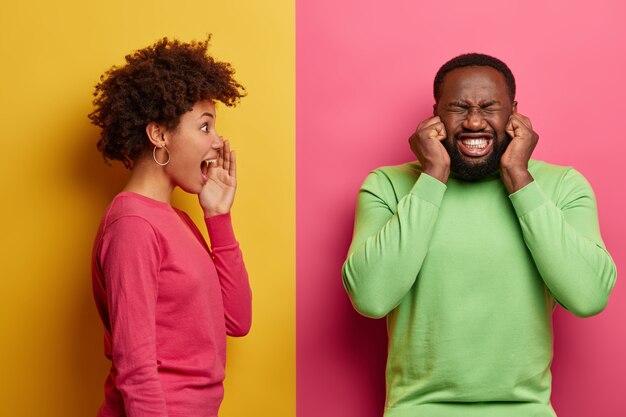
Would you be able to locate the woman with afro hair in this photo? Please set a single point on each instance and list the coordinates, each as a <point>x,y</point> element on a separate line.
<point>166,299</point>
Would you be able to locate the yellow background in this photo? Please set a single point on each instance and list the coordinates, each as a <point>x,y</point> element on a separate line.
<point>55,188</point>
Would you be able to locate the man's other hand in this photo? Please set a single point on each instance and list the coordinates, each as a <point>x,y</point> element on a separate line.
<point>514,161</point>
<point>427,147</point>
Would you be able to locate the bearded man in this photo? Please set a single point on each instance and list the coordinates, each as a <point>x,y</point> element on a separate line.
<point>468,250</point>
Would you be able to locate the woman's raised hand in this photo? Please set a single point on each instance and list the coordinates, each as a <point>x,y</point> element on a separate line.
<point>218,193</point>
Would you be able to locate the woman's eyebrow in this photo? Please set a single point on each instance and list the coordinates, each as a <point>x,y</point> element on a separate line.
<point>207,114</point>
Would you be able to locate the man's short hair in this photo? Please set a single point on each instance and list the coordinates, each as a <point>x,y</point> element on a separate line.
<point>474,60</point>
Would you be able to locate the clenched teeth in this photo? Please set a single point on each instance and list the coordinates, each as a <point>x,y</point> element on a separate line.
<point>475,143</point>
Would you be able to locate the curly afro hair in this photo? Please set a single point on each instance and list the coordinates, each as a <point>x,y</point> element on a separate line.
<point>157,84</point>
<point>474,60</point>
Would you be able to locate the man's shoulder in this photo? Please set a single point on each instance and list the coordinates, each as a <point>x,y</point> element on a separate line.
<point>557,179</point>
<point>408,170</point>
<point>401,176</point>
<point>546,169</point>
<point>391,183</point>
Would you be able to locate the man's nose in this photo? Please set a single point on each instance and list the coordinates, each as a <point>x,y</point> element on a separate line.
<point>474,120</point>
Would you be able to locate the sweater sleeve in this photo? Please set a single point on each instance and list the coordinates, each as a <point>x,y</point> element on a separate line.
<point>564,240</point>
<point>388,247</point>
<point>232,273</point>
<point>130,261</point>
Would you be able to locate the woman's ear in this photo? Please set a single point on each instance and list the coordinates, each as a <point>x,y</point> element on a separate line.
<point>156,134</point>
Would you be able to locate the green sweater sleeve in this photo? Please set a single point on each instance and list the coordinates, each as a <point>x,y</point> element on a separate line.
<point>564,239</point>
<point>390,242</point>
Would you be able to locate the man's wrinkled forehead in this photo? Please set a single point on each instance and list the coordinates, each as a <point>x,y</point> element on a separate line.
<point>474,83</point>
<point>474,59</point>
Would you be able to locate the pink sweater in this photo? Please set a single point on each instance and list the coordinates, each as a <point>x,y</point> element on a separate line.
<point>167,303</point>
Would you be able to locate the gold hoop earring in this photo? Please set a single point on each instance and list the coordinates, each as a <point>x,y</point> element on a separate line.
<point>155,158</point>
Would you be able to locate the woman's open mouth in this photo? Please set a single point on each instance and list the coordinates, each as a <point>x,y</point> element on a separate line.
<point>204,168</point>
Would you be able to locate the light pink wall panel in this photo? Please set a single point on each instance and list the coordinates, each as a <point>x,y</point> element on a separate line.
<point>364,81</point>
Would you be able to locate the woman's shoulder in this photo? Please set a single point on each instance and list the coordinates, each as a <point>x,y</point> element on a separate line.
<point>132,205</point>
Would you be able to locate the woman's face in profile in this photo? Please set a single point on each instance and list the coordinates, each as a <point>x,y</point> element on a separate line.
<point>193,145</point>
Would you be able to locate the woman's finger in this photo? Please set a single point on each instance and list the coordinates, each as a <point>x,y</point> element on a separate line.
<point>220,158</point>
<point>233,166</point>
<point>227,156</point>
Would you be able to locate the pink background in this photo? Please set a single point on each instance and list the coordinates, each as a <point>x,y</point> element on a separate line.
<point>364,81</point>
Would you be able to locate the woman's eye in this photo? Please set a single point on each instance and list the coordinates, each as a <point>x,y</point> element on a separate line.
<point>205,128</point>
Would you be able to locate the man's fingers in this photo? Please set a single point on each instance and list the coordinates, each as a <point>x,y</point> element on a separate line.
<point>433,127</point>
<point>441,131</point>
<point>510,129</point>
<point>429,122</point>
<point>522,119</point>
<point>515,126</point>
<point>436,131</point>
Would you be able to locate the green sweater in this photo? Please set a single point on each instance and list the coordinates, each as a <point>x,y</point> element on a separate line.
<point>468,277</point>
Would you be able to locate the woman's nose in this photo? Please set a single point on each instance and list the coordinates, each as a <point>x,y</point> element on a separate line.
<point>218,143</point>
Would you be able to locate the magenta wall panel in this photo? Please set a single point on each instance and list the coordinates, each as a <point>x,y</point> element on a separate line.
<point>364,81</point>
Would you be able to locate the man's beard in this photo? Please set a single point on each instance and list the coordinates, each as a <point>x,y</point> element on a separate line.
<point>468,171</point>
